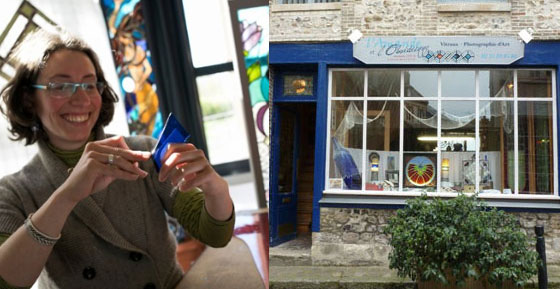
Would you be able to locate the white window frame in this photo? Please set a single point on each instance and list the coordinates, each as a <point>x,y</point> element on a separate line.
<point>400,193</point>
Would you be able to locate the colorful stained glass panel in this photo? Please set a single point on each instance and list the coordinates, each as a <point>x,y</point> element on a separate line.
<point>254,27</point>
<point>134,65</point>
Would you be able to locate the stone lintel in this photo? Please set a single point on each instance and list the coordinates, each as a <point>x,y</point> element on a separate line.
<point>306,7</point>
<point>474,7</point>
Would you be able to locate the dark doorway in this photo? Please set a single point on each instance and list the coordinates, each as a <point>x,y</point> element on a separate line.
<point>293,149</point>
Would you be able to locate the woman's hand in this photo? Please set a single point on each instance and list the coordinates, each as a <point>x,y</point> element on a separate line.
<point>187,167</point>
<point>101,163</point>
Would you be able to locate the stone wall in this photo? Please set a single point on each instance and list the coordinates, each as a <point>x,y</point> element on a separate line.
<point>333,21</point>
<point>354,236</point>
<point>351,237</point>
<point>306,22</point>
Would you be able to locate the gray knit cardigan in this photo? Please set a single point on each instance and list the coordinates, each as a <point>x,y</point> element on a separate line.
<point>116,238</point>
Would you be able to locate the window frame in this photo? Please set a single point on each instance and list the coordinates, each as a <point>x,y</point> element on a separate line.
<point>401,192</point>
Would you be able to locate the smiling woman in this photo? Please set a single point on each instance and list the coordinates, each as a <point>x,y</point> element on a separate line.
<point>98,198</point>
<point>63,59</point>
<point>68,114</point>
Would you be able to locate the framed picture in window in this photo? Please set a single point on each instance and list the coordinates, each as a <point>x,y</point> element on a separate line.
<point>469,177</point>
<point>419,170</point>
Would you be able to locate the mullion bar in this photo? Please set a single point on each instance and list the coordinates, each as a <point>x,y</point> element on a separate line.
<point>401,134</point>
<point>438,143</point>
<point>476,132</point>
<point>364,131</point>
<point>515,136</point>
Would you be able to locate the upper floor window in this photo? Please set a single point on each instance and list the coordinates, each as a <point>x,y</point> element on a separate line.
<point>473,5</point>
<point>305,1</point>
<point>473,1</point>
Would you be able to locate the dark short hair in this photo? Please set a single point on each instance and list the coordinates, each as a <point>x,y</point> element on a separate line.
<point>30,57</point>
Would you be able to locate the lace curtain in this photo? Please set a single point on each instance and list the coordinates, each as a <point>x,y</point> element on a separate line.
<point>449,121</point>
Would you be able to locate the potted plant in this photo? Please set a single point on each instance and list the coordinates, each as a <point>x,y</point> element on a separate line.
<point>459,242</point>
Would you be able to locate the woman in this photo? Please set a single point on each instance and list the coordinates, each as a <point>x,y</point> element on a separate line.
<point>88,211</point>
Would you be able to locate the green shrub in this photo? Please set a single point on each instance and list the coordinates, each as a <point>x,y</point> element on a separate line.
<point>442,240</point>
<point>213,107</point>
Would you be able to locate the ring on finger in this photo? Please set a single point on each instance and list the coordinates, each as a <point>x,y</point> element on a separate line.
<point>111,159</point>
<point>180,169</point>
<point>181,182</point>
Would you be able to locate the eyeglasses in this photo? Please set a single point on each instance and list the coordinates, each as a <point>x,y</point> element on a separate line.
<point>67,89</point>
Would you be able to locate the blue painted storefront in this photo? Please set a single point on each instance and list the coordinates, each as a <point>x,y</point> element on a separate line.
<point>317,59</point>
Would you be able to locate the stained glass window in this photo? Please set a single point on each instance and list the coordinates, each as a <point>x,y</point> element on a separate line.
<point>26,18</point>
<point>134,65</point>
<point>254,27</point>
<point>17,18</point>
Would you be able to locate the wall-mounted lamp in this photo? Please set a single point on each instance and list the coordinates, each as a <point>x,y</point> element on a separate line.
<point>355,35</point>
<point>299,85</point>
<point>526,34</point>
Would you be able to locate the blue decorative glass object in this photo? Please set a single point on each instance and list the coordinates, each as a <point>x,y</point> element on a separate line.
<point>173,132</point>
<point>346,166</point>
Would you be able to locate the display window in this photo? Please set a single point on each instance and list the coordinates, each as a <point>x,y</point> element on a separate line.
<point>449,131</point>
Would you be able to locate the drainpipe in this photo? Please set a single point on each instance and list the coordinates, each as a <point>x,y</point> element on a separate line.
<point>543,279</point>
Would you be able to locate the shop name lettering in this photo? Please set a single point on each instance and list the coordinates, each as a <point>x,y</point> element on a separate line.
<point>448,52</point>
<point>391,48</point>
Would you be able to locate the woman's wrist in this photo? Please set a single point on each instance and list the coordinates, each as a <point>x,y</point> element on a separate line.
<point>217,200</point>
<point>51,216</point>
<point>217,188</point>
<point>64,200</point>
<point>65,196</point>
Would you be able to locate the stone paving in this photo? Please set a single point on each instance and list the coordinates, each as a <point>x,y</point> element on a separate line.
<point>291,267</point>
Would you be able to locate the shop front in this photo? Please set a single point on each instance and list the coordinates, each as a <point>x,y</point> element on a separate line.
<point>390,118</point>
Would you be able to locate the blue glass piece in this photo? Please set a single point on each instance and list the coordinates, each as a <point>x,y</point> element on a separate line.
<point>173,132</point>
<point>346,167</point>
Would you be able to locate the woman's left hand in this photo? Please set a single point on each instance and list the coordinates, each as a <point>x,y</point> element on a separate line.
<point>187,167</point>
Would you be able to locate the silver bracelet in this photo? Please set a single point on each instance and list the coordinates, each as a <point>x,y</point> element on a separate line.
<point>37,235</point>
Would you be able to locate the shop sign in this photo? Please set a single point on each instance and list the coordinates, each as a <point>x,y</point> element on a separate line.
<point>438,50</point>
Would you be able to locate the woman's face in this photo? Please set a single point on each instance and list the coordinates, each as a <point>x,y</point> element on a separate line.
<point>68,121</point>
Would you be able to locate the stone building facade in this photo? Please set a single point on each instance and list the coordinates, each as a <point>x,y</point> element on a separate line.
<point>347,233</point>
<point>332,21</point>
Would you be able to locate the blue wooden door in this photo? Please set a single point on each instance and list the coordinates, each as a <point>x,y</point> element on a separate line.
<point>283,175</point>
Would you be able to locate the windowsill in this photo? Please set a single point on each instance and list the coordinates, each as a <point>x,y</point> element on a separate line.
<point>381,198</point>
<point>474,7</point>
<point>306,7</point>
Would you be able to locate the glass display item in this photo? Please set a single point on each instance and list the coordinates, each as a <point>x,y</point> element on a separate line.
<point>346,166</point>
<point>173,132</point>
<point>420,171</point>
<point>374,169</point>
